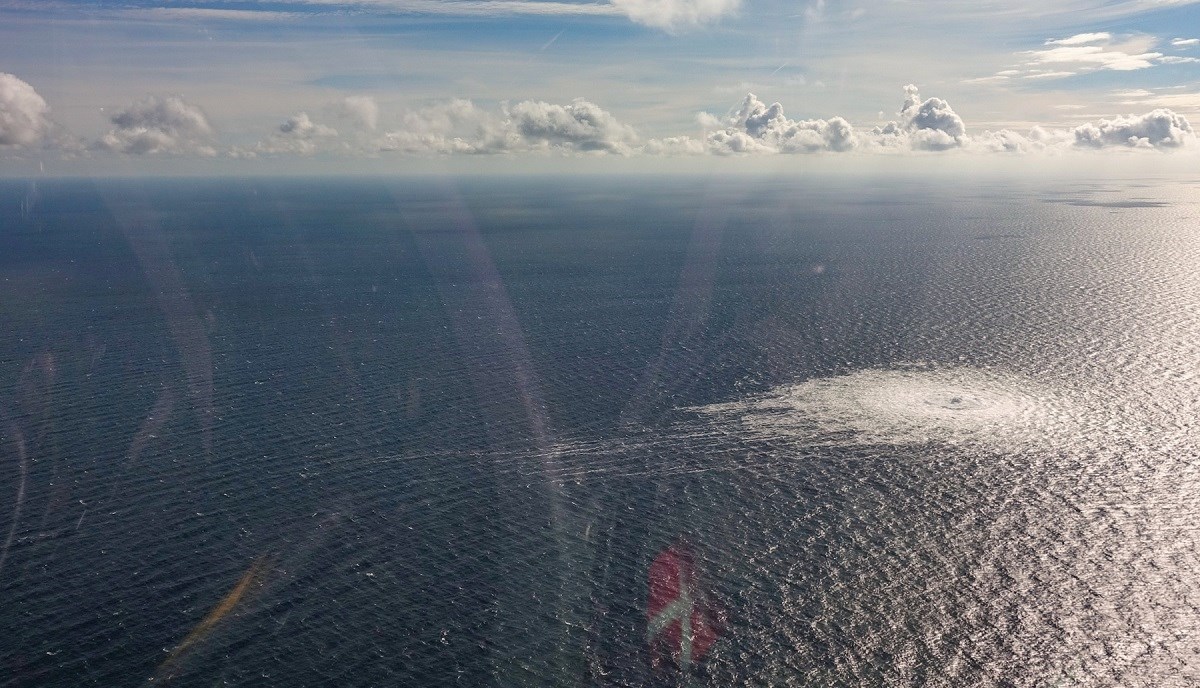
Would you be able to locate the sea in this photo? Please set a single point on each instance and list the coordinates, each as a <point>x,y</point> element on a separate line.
<point>872,430</point>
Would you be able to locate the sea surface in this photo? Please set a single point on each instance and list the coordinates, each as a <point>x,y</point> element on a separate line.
<point>402,432</point>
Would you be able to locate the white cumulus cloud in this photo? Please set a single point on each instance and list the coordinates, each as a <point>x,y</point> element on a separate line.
<point>24,115</point>
<point>1159,128</point>
<point>157,125</point>
<point>755,127</point>
<point>581,126</point>
<point>930,125</point>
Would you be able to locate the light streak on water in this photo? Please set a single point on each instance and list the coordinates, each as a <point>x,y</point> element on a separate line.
<point>227,605</point>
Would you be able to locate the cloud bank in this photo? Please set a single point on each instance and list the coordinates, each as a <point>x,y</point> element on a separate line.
<point>172,126</point>
<point>459,126</point>
<point>754,127</point>
<point>928,125</point>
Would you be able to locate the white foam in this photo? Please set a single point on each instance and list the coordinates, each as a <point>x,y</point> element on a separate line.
<point>905,406</point>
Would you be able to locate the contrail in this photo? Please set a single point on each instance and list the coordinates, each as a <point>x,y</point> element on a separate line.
<point>550,42</point>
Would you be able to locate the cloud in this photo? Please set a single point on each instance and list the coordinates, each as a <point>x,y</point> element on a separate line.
<point>933,125</point>
<point>675,145</point>
<point>1047,75</point>
<point>456,126</point>
<point>930,125</point>
<point>297,134</point>
<point>1168,98</point>
<point>205,14</point>
<point>170,125</point>
<point>486,8</point>
<point>24,115</point>
<point>669,15</point>
<point>1094,57</point>
<point>1159,129</point>
<point>1185,42</point>
<point>1038,139</point>
<point>459,126</point>
<point>581,126</point>
<point>362,110</point>
<point>157,125</point>
<point>925,124</point>
<point>1087,52</point>
<point>673,14</point>
<point>1081,39</point>
<point>705,10</point>
<point>1004,141</point>
<point>755,127</point>
<point>731,142</point>
<point>300,126</point>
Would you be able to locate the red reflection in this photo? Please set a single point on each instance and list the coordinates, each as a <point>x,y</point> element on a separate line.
<point>680,625</point>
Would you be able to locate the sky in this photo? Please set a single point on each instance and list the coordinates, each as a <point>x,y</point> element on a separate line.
<point>240,87</point>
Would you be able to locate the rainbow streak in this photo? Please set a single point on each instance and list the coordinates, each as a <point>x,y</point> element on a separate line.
<point>166,671</point>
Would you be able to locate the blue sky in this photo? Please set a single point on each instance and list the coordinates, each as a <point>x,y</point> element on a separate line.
<point>330,80</point>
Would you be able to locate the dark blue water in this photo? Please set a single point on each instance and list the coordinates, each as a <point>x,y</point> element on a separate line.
<point>401,432</point>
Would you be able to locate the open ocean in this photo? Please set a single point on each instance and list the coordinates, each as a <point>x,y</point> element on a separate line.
<point>422,433</point>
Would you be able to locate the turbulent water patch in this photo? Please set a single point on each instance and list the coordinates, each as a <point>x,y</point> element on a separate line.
<point>904,406</point>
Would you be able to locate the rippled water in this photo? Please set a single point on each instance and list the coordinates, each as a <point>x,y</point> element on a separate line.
<point>398,433</point>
